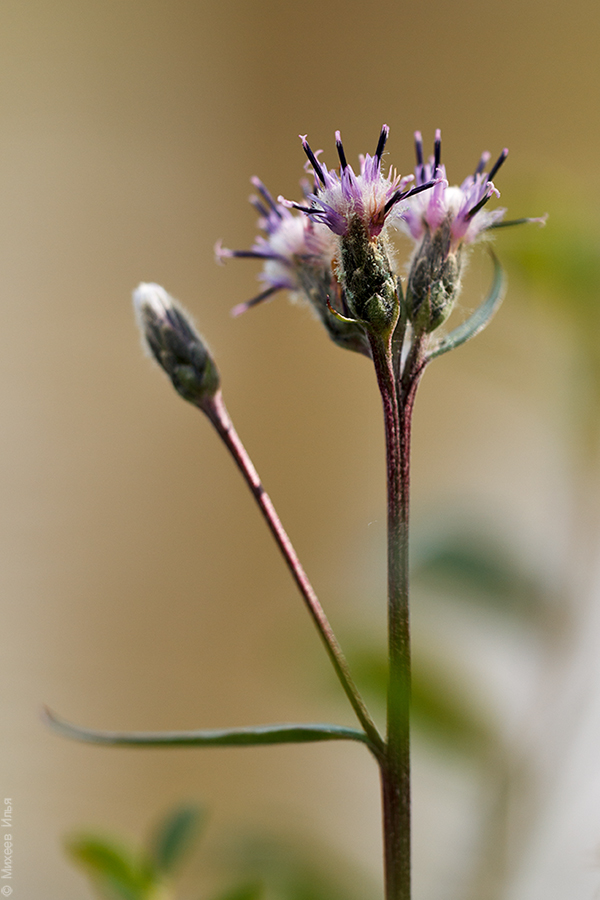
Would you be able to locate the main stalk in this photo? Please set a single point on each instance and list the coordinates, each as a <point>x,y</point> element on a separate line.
<point>395,765</point>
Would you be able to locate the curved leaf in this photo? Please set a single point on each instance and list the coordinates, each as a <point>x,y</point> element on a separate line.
<point>218,737</point>
<point>479,319</point>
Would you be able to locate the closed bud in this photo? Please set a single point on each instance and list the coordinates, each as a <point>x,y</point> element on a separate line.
<point>175,344</point>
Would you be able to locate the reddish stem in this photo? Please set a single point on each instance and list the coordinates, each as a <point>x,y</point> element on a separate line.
<point>217,413</point>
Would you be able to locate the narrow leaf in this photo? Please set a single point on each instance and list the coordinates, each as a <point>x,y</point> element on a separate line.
<point>479,319</point>
<point>226,737</point>
<point>174,836</point>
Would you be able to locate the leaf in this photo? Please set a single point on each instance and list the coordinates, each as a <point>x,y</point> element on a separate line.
<point>479,319</point>
<point>218,737</point>
<point>174,837</point>
<point>113,868</point>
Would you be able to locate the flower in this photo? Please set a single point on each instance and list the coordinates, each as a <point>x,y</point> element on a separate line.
<point>461,208</point>
<point>443,222</point>
<point>298,256</point>
<point>355,208</point>
<point>295,251</point>
<point>370,196</point>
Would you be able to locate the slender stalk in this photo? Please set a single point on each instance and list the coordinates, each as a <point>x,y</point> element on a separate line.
<point>398,399</point>
<point>217,413</point>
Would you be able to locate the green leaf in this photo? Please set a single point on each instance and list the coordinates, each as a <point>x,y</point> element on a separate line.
<point>218,737</point>
<point>113,868</point>
<point>479,319</point>
<point>174,837</point>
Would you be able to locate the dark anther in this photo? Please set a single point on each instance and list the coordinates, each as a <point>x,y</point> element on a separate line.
<point>265,195</point>
<point>403,195</point>
<point>382,142</point>
<point>498,163</point>
<point>340,150</point>
<point>314,161</point>
<point>481,164</point>
<point>419,149</point>
<point>479,205</point>
<point>437,152</point>
<point>260,209</point>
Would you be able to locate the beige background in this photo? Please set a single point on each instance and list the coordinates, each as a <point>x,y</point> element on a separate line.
<point>139,588</point>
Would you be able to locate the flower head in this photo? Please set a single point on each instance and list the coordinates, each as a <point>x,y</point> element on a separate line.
<point>298,255</point>
<point>355,208</point>
<point>462,208</point>
<point>443,222</point>
<point>339,199</point>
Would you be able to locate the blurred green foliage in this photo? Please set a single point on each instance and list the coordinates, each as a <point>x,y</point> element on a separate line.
<point>254,867</point>
<point>119,872</point>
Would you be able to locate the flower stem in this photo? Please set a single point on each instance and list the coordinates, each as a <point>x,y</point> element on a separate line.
<point>398,400</point>
<point>217,413</point>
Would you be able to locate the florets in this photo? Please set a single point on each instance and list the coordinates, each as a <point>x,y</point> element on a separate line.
<point>462,208</point>
<point>443,222</point>
<point>355,208</point>
<point>341,198</point>
<point>299,256</point>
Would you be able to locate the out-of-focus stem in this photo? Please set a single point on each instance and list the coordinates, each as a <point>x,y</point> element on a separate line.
<point>217,413</point>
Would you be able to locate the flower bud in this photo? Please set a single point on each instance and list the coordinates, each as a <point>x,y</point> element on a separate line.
<point>433,280</point>
<point>175,344</point>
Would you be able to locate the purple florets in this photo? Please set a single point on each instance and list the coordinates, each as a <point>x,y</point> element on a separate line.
<point>294,249</point>
<point>333,249</point>
<point>341,198</point>
<point>299,256</point>
<point>462,208</point>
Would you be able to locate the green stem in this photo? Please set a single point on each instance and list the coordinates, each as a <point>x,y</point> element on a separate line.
<point>217,413</point>
<point>398,400</point>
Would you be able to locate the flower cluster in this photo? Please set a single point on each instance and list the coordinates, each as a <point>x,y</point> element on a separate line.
<point>333,248</point>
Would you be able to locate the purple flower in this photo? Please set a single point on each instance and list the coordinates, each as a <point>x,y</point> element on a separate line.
<point>443,222</point>
<point>340,199</point>
<point>296,252</point>
<point>462,208</point>
<point>298,256</point>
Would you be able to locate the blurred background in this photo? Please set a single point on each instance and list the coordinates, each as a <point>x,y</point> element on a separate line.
<point>140,589</point>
